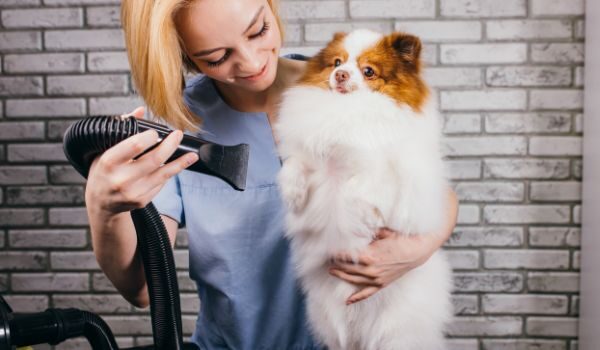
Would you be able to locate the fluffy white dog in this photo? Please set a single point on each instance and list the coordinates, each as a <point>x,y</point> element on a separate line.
<point>359,136</point>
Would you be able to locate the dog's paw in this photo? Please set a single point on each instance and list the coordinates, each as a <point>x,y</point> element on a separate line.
<point>294,194</point>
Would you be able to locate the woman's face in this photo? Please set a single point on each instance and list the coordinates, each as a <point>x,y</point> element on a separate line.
<point>232,41</point>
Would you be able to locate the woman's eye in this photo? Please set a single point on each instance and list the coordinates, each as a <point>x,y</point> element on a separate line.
<point>262,31</point>
<point>368,72</point>
<point>337,62</point>
<point>221,60</point>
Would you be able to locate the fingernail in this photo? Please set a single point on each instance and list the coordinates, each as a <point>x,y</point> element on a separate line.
<point>192,158</point>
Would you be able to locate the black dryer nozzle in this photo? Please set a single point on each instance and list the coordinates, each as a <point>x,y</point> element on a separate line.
<point>86,138</point>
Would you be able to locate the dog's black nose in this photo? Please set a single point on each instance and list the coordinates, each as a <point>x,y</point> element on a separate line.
<point>341,76</point>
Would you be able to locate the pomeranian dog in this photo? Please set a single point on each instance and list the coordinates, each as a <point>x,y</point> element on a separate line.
<point>359,139</point>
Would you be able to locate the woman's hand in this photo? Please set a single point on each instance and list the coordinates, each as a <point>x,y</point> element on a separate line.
<point>390,256</point>
<point>118,183</point>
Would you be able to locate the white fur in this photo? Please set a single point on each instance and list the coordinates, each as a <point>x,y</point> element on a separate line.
<point>352,163</point>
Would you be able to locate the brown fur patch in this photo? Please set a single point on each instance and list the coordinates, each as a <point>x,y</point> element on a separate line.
<point>319,67</point>
<point>396,60</point>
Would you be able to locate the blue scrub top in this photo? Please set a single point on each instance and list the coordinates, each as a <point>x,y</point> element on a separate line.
<point>239,257</point>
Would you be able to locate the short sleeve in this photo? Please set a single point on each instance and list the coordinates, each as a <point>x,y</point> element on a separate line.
<point>168,201</point>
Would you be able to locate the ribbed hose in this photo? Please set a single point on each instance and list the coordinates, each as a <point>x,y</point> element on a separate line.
<point>83,141</point>
<point>97,332</point>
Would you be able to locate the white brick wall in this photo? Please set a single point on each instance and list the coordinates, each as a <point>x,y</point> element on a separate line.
<point>509,76</point>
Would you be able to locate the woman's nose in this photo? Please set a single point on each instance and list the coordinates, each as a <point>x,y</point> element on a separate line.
<point>249,62</point>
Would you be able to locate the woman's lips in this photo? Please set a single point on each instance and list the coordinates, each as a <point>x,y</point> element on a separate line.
<point>259,75</point>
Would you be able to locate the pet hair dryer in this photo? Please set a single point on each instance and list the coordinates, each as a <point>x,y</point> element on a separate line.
<point>83,141</point>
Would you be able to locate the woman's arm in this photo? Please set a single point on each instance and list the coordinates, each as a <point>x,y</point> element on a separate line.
<point>391,255</point>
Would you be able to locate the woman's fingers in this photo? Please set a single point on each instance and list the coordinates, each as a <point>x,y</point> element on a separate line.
<point>354,269</point>
<point>362,294</point>
<point>126,150</point>
<point>354,279</point>
<point>162,174</point>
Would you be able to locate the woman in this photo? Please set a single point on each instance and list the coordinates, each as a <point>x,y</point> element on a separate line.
<point>238,255</point>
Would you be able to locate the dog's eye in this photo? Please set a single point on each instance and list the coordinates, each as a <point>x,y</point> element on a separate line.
<point>368,72</point>
<point>337,62</point>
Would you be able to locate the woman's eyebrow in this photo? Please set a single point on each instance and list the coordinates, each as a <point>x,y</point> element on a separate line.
<point>254,19</point>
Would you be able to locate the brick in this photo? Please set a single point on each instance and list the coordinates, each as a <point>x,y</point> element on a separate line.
<point>76,261</point>
<point>84,39</point>
<point>190,303</point>
<point>463,259</point>
<point>312,9</point>
<point>45,63</point>
<point>36,195</point>
<point>392,8</point>
<point>552,326</point>
<point>520,304</point>
<point>21,217</point>
<point>483,8</point>
<point>579,123</point>
<point>19,3</point>
<point>42,18</point>
<point>451,77</point>
<point>462,123</point>
<point>557,7</point>
<point>21,131</point>
<point>528,76</point>
<point>554,236</point>
<point>555,146</point>
<point>488,282</point>
<point>21,86</point>
<point>526,214</point>
<point>554,191</point>
<point>517,123</point>
<point>57,129</point>
<point>556,99</point>
<point>486,100</point>
<point>490,191</point>
<point>484,145</point>
<point>514,168</point>
<point>81,2</point>
<point>465,304</point>
<point>486,236</point>
<point>115,61</point>
<point>103,303</point>
<point>463,169</point>
<point>575,305</point>
<point>577,214</point>
<point>101,283</point>
<point>65,174</point>
<point>485,326</point>
<point>62,238</point>
<point>468,214</point>
<point>104,16</point>
<point>579,29</point>
<point>579,77</point>
<point>20,41</point>
<point>528,29</point>
<point>576,260</point>
<point>320,32</point>
<point>292,33</point>
<point>58,107</point>
<point>3,282</point>
<point>68,216</point>
<point>11,261</point>
<point>442,31</point>
<point>558,53</point>
<point>553,281</point>
<point>526,258</point>
<point>462,344</point>
<point>114,105</point>
<point>523,344</point>
<point>27,303</point>
<point>36,153</point>
<point>483,53</point>
<point>91,84</point>
<point>49,282</point>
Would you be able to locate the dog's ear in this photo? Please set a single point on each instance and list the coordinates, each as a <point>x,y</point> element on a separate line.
<point>407,46</point>
<point>339,35</point>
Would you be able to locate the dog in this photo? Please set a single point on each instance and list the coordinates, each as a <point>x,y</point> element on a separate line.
<point>359,138</point>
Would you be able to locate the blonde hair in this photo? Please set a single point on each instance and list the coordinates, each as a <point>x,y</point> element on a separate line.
<point>157,60</point>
